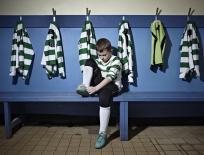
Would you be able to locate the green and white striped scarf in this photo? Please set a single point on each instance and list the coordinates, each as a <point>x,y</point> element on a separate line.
<point>125,49</point>
<point>22,52</point>
<point>53,55</point>
<point>87,44</point>
<point>189,50</point>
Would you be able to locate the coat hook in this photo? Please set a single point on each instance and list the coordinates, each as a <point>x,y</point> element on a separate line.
<point>88,12</point>
<point>54,14</point>
<point>190,12</point>
<point>20,18</point>
<point>158,11</point>
<point>123,18</point>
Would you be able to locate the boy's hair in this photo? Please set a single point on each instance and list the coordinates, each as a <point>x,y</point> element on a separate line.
<point>103,44</point>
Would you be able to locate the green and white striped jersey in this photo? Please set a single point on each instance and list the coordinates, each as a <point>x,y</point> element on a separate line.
<point>87,44</point>
<point>111,69</point>
<point>22,52</point>
<point>125,49</point>
<point>189,50</point>
<point>53,55</point>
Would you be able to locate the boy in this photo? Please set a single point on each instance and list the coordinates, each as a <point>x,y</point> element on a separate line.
<point>102,76</point>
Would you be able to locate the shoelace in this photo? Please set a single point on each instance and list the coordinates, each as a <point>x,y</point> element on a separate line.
<point>100,137</point>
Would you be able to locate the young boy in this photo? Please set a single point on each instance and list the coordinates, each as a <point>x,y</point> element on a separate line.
<point>102,76</point>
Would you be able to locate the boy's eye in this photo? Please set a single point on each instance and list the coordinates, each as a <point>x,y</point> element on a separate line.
<point>102,55</point>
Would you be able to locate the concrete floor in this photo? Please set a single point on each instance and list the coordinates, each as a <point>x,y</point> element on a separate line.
<point>80,140</point>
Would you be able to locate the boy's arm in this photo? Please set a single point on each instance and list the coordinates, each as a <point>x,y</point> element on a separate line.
<point>96,88</point>
<point>111,76</point>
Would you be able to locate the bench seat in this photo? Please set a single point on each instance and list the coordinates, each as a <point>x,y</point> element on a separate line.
<point>8,98</point>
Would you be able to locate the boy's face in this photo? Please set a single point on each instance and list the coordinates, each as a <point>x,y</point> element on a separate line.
<point>105,55</point>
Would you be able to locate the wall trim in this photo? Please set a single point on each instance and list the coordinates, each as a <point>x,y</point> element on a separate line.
<point>99,21</point>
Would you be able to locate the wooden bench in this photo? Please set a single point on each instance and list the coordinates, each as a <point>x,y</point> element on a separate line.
<point>8,98</point>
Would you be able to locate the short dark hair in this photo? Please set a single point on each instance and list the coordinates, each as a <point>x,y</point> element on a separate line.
<point>103,44</point>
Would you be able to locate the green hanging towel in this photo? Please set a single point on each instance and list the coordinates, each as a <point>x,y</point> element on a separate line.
<point>158,44</point>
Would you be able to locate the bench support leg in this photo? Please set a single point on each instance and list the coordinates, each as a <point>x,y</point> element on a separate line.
<point>123,121</point>
<point>7,120</point>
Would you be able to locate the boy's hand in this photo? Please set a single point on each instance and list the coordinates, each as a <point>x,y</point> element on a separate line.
<point>91,90</point>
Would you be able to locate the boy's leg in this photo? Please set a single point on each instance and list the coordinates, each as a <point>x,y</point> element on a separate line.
<point>91,74</point>
<point>87,75</point>
<point>104,116</point>
<point>106,98</point>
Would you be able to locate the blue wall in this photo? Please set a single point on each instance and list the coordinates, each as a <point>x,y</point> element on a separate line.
<point>147,81</point>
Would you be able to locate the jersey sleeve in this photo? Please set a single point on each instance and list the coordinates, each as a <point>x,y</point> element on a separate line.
<point>114,69</point>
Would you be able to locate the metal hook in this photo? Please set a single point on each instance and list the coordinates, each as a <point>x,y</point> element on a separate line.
<point>190,13</point>
<point>20,18</point>
<point>88,12</point>
<point>54,14</point>
<point>158,11</point>
<point>123,18</point>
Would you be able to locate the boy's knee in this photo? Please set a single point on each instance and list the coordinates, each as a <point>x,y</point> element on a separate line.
<point>104,105</point>
<point>105,98</point>
<point>90,62</point>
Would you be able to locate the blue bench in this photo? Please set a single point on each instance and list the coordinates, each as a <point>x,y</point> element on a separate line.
<point>8,98</point>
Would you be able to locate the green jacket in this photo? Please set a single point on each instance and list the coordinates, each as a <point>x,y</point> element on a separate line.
<point>158,43</point>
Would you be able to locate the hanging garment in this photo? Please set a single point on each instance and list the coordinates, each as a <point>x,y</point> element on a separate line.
<point>87,44</point>
<point>189,50</point>
<point>53,55</point>
<point>158,44</point>
<point>22,52</point>
<point>125,49</point>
